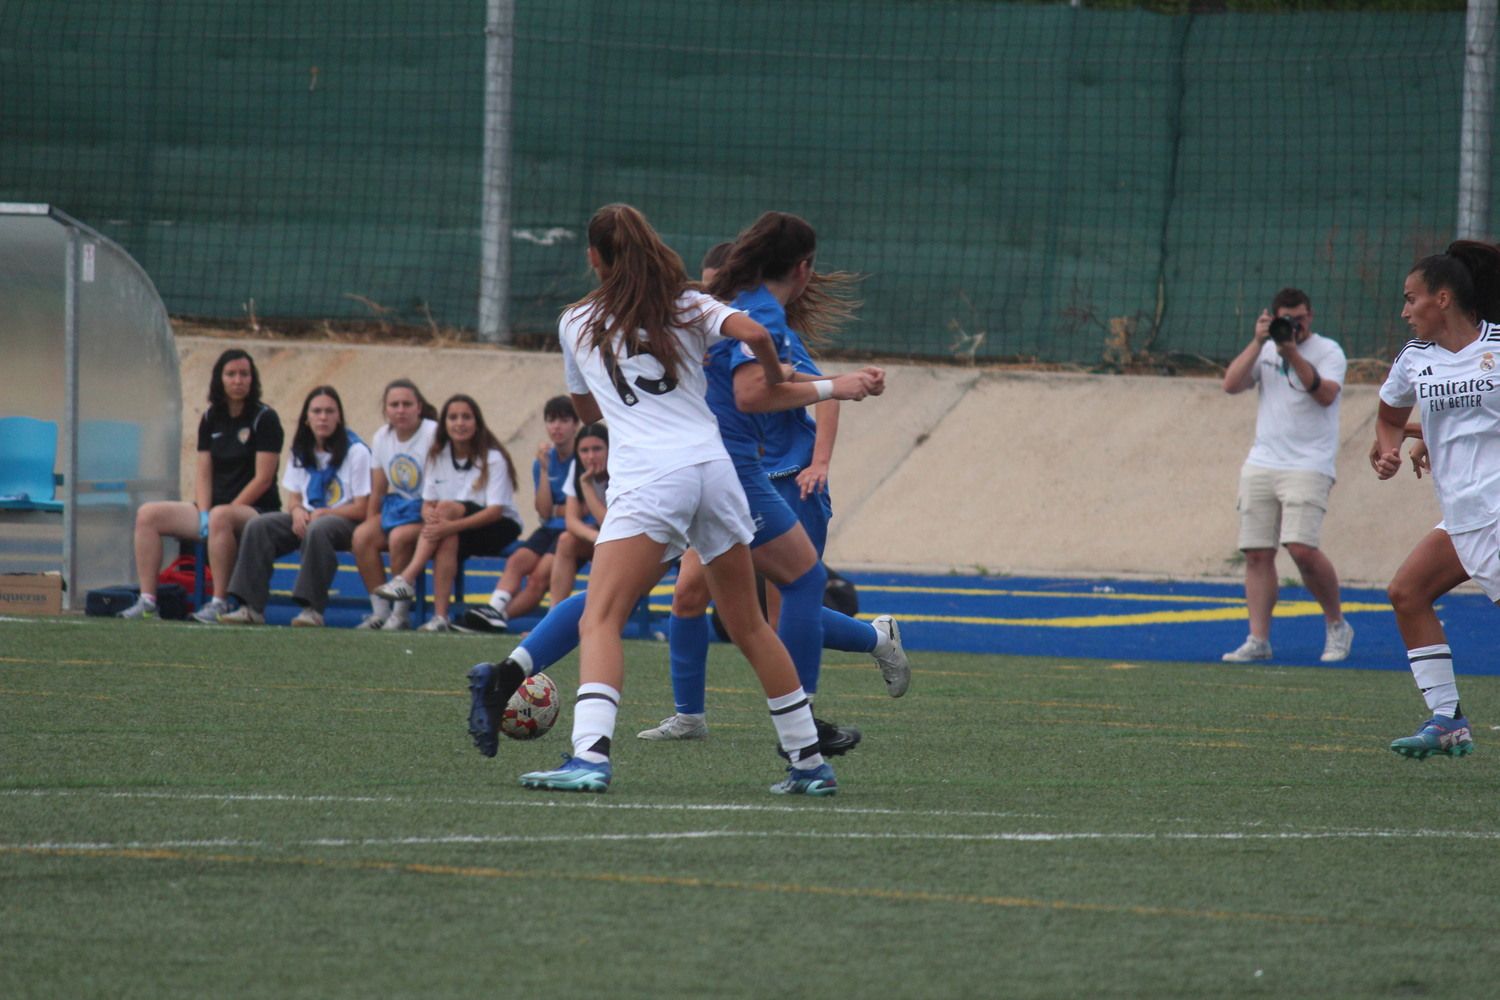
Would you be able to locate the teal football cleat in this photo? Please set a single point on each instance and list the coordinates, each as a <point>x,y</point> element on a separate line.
<point>816,781</point>
<point>575,775</point>
<point>1440,735</point>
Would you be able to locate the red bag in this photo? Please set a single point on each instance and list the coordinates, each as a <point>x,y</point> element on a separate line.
<point>181,572</point>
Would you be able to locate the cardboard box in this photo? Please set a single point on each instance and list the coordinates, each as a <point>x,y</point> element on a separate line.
<point>31,594</point>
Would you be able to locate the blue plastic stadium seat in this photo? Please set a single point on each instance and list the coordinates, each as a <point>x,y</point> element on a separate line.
<point>109,459</point>
<point>28,452</point>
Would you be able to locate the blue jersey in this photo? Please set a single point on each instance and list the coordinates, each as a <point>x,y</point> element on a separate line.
<point>557,475</point>
<point>790,434</point>
<point>744,433</point>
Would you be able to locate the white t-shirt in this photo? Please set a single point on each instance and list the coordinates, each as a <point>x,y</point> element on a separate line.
<point>1457,398</point>
<point>654,427</point>
<point>445,479</point>
<point>402,461</point>
<point>351,482</point>
<point>1292,430</point>
<point>600,490</point>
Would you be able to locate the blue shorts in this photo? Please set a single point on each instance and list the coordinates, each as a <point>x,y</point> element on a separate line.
<point>772,515</point>
<point>814,512</point>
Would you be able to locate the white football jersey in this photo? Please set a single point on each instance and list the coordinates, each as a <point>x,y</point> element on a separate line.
<point>445,479</point>
<point>402,461</point>
<point>1457,398</point>
<point>656,424</point>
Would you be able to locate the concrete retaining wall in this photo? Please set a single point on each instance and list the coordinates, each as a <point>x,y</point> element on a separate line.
<point>953,469</point>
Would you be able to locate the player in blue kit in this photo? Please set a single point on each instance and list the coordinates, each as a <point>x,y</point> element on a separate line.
<point>782,459</point>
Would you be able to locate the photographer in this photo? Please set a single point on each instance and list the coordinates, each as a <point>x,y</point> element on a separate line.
<point>1286,479</point>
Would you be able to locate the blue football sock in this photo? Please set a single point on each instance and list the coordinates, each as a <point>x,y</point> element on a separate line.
<point>849,635</point>
<point>688,638</point>
<point>801,625</point>
<point>556,635</point>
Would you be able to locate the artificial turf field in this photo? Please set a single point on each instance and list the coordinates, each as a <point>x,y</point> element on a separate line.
<point>190,811</point>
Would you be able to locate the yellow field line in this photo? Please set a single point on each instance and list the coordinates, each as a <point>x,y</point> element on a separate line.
<point>684,882</point>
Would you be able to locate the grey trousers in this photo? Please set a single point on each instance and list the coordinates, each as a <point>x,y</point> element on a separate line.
<point>268,537</point>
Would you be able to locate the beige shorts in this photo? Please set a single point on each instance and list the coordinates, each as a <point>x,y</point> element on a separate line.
<point>701,505</point>
<point>1278,506</point>
<point>1479,551</point>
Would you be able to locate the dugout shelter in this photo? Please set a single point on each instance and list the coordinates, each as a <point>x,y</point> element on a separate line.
<point>88,361</point>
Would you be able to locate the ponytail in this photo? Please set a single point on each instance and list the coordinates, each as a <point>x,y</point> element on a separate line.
<point>639,285</point>
<point>1471,271</point>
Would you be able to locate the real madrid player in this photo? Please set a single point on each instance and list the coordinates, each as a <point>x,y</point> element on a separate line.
<point>1449,374</point>
<point>394,520</point>
<point>631,352</point>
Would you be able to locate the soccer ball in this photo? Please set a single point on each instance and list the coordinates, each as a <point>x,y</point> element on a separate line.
<point>532,709</point>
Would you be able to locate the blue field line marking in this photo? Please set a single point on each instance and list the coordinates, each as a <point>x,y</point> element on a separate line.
<point>1117,620</point>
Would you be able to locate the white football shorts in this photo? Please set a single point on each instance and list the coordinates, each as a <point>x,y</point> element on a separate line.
<point>700,505</point>
<point>1479,551</point>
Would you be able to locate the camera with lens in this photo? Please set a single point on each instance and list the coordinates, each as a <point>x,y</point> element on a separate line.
<point>1284,329</point>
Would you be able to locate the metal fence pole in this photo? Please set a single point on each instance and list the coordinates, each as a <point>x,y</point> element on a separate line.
<point>69,458</point>
<point>1478,118</point>
<point>494,235</point>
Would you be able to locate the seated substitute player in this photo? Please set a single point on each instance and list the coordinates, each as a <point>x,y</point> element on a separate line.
<point>585,489</point>
<point>468,508</point>
<point>327,482</point>
<point>1448,371</point>
<point>532,562</point>
<point>394,520</point>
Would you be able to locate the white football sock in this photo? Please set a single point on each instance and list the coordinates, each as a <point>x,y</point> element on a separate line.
<point>380,606</point>
<point>1432,666</point>
<point>792,715</point>
<point>594,715</point>
<point>521,658</point>
<point>499,599</point>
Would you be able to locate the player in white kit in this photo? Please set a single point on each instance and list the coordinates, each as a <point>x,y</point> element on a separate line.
<point>632,353</point>
<point>1448,372</point>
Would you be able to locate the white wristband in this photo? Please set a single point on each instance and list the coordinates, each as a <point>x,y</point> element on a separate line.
<point>825,388</point>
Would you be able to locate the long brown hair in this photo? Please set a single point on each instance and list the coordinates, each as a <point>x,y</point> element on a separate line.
<point>483,443</point>
<point>769,250</point>
<point>642,279</point>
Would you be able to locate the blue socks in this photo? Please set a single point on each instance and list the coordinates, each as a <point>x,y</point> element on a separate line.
<point>556,635</point>
<point>801,626</point>
<point>688,638</point>
<point>848,635</point>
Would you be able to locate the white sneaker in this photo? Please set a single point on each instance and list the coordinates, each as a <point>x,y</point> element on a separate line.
<point>677,727</point>
<point>372,622</point>
<point>308,618</point>
<point>396,589</point>
<point>1340,640</point>
<point>243,615</point>
<point>894,666</point>
<point>1251,649</point>
<point>437,623</point>
<point>141,609</point>
<point>211,612</point>
<point>397,622</point>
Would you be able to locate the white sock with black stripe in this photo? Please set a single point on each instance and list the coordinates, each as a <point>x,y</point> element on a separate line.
<point>1432,666</point>
<point>594,714</point>
<point>792,715</point>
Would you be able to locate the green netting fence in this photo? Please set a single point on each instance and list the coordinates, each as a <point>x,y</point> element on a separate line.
<point>1017,181</point>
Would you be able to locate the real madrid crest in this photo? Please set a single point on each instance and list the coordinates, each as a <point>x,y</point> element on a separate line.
<point>244,435</point>
<point>1487,363</point>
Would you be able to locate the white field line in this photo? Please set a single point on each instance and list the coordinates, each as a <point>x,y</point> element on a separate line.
<point>543,803</point>
<point>533,839</point>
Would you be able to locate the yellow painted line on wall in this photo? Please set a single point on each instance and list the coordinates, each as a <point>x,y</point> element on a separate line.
<point>1287,609</point>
